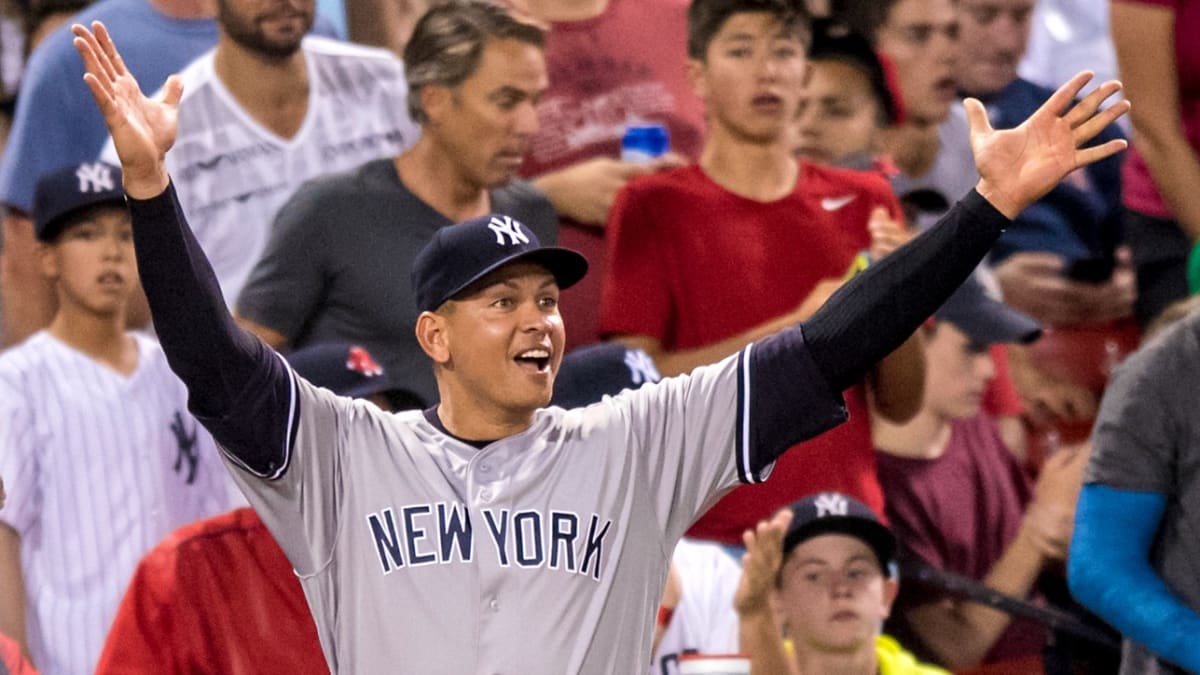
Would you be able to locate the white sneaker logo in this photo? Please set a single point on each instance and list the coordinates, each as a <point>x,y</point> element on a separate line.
<point>835,203</point>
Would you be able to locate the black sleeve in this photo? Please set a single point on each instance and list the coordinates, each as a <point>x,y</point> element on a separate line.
<point>237,386</point>
<point>863,322</point>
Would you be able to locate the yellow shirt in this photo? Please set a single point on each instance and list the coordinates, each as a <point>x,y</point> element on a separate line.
<point>893,659</point>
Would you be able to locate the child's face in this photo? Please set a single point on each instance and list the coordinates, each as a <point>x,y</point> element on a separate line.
<point>92,261</point>
<point>751,78</point>
<point>839,116</point>
<point>834,595</point>
<point>958,372</point>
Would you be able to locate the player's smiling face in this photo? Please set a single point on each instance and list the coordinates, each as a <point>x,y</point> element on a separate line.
<point>834,595</point>
<point>92,262</point>
<point>505,339</point>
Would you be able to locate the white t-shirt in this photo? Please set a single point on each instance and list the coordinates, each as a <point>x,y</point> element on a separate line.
<point>704,621</point>
<point>233,174</point>
<point>98,467</point>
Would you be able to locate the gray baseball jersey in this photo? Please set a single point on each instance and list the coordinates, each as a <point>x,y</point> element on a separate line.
<point>544,552</point>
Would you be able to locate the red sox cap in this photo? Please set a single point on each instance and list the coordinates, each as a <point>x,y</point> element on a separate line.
<point>834,41</point>
<point>459,255</point>
<point>65,191</point>
<point>836,513</point>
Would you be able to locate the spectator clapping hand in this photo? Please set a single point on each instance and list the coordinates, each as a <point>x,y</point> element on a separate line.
<point>760,564</point>
<point>1036,283</point>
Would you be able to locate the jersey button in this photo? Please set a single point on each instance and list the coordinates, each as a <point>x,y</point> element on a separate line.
<point>494,604</point>
<point>485,496</point>
<point>485,468</point>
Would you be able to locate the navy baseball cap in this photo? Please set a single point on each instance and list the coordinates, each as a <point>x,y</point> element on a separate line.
<point>65,191</point>
<point>984,319</point>
<point>459,255</point>
<point>343,368</point>
<point>835,41</point>
<point>590,373</point>
<point>836,513</point>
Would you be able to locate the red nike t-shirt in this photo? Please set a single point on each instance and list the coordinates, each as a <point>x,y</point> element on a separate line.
<point>691,264</point>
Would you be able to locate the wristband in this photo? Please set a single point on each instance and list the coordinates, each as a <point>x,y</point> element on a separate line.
<point>664,615</point>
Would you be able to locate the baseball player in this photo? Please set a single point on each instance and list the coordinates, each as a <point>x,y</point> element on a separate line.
<point>101,455</point>
<point>491,534</point>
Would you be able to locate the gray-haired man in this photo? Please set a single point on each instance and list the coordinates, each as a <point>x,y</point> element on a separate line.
<point>335,266</point>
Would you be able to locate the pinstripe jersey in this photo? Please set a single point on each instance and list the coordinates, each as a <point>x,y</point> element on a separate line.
<point>98,467</point>
<point>542,553</point>
<point>233,174</point>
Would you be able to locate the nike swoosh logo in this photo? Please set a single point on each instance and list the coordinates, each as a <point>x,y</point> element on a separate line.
<point>835,203</point>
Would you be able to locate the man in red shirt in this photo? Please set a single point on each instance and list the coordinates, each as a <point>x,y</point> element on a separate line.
<point>705,259</point>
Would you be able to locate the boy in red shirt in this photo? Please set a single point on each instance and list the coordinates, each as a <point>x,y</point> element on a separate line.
<point>707,258</point>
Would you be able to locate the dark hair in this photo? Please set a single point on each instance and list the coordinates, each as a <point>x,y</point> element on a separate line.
<point>448,41</point>
<point>864,17</point>
<point>705,18</point>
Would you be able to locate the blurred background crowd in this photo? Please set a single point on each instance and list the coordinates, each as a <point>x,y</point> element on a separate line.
<point>725,165</point>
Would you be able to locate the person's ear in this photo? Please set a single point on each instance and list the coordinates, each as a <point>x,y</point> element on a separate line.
<point>891,588</point>
<point>51,265</point>
<point>433,336</point>
<point>436,100</point>
<point>697,72</point>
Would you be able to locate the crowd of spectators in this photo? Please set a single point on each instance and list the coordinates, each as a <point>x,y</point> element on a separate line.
<point>322,144</point>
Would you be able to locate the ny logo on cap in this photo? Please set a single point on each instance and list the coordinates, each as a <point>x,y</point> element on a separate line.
<point>507,226</point>
<point>94,178</point>
<point>830,504</point>
<point>641,367</point>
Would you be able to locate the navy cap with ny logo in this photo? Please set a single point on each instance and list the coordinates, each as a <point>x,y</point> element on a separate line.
<point>65,191</point>
<point>459,255</point>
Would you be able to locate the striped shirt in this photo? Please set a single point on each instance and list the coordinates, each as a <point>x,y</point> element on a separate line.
<point>99,467</point>
<point>233,174</point>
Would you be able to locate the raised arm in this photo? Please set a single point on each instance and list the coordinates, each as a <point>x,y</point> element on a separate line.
<point>1144,37</point>
<point>239,388</point>
<point>758,627</point>
<point>876,311</point>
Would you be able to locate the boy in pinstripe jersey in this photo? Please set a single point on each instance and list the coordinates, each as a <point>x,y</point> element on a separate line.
<point>101,457</point>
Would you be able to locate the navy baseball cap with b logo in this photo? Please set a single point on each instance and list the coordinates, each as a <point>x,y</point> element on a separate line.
<point>65,191</point>
<point>836,513</point>
<point>459,255</point>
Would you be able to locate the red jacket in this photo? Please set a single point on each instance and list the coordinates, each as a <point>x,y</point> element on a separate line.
<point>216,596</point>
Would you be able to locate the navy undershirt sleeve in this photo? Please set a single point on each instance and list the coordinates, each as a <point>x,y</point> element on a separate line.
<point>864,321</point>
<point>237,387</point>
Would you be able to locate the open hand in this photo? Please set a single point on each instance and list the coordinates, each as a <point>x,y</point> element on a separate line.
<point>585,191</point>
<point>1017,166</point>
<point>887,233</point>
<point>760,564</point>
<point>143,129</point>
<point>1036,283</point>
<point>1050,517</point>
